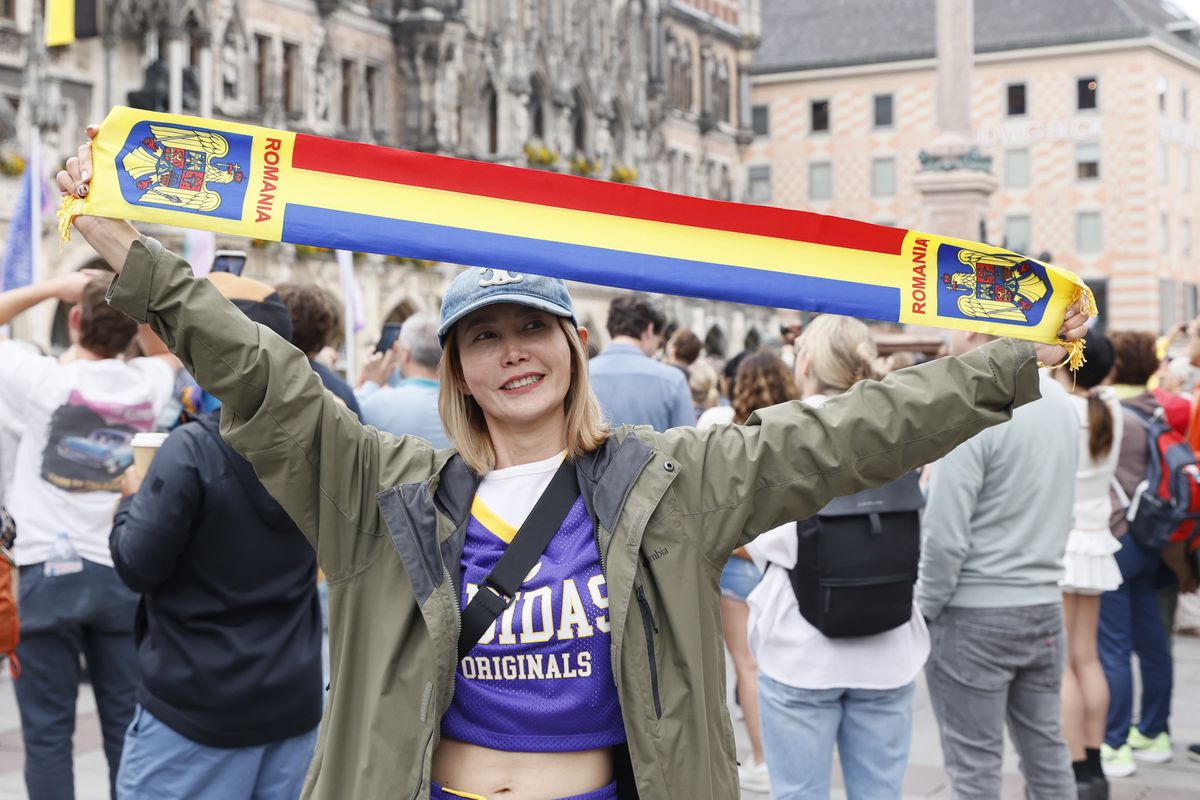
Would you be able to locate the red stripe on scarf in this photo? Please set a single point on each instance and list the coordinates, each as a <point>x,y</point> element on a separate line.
<point>392,165</point>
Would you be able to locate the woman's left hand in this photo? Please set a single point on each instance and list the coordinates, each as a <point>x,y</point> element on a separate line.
<point>1074,327</point>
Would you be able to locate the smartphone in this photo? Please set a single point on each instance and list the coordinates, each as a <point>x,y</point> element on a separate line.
<point>391,330</point>
<point>231,261</point>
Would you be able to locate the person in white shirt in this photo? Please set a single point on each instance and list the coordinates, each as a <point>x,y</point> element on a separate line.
<point>1090,566</point>
<point>80,415</point>
<point>816,691</point>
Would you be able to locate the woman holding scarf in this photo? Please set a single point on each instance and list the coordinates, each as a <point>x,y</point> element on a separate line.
<point>603,675</point>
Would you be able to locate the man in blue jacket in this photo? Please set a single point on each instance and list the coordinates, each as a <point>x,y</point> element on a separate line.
<point>228,628</point>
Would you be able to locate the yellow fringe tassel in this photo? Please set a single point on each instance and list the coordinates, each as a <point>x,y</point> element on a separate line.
<point>69,208</point>
<point>1075,358</point>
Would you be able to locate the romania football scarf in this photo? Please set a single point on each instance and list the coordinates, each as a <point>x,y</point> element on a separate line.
<point>280,186</point>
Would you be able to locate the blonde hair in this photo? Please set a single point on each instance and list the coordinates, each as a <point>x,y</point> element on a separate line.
<point>702,380</point>
<point>467,428</point>
<point>840,350</point>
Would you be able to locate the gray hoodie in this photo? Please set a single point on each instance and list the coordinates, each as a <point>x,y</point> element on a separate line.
<point>999,511</point>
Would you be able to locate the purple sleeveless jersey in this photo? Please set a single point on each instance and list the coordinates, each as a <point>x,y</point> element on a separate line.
<point>540,680</point>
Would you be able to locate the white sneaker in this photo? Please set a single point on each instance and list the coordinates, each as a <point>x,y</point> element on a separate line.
<point>754,778</point>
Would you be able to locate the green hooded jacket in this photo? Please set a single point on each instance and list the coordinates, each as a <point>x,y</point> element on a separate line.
<point>387,516</point>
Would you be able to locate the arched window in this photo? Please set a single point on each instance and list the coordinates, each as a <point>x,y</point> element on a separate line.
<point>537,109</point>
<point>620,133</point>
<point>194,36</point>
<point>672,72</point>
<point>715,342</point>
<point>491,108</point>
<point>579,122</point>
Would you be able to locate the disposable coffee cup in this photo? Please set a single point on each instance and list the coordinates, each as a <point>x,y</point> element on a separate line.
<point>145,446</point>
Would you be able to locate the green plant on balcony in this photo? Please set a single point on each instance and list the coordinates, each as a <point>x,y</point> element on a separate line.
<point>406,261</point>
<point>311,251</point>
<point>582,165</point>
<point>539,155</point>
<point>623,173</point>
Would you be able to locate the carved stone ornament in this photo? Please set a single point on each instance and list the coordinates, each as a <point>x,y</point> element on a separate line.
<point>230,71</point>
<point>972,159</point>
<point>323,86</point>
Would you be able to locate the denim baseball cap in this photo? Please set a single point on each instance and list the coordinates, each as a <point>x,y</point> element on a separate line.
<point>481,286</point>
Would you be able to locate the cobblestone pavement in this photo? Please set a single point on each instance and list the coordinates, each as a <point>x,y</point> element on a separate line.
<point>925,779</point>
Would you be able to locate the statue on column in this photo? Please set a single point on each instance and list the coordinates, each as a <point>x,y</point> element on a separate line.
<point>326,77</point>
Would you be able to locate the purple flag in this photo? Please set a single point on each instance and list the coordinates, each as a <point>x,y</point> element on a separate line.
<point>18,250</point>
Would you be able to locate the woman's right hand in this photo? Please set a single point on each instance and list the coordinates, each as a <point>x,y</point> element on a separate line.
<point>111,238</point>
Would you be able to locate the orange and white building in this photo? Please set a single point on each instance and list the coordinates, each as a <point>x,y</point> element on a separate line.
<point>1090,110</point>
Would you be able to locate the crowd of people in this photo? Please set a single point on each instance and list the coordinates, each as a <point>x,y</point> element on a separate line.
<point>972,518</point>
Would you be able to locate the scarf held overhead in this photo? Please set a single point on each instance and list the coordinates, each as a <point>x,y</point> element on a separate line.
<point>292,187</point>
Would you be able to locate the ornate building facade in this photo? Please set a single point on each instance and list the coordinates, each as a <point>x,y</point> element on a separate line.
<point>653,92</point>
<point>1087,109</point>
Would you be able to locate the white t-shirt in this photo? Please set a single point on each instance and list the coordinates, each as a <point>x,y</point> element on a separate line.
<point>790,650</point>
<point>79,419</point>
<point>717,415</point>
<point>506,496</point>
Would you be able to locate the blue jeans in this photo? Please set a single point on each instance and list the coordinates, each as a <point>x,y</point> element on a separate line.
<point>1130,623</point>
<point>872,729</point>
<point>89,613</point>
<point>160,764</point>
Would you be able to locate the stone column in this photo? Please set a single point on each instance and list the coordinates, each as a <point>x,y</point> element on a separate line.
<point>956,55</point>
<point>955,179</point>
<point>151,48</point>
<point>204,71</point>
<point>175,45</point>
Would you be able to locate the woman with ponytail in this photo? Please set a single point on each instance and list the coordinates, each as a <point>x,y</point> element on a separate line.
<point>816,691</point>
<point>1090,566</point>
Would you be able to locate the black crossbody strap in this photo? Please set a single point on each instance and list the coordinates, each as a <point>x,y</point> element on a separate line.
<point>498,588</point>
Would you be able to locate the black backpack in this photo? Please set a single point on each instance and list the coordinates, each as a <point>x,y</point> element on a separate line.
<point>856,564</point>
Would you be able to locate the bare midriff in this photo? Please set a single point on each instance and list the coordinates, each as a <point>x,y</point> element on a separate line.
<point>520,776</point>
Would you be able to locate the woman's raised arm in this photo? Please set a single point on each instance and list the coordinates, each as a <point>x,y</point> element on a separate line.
<point>307,448</point>
<point>788,461</point>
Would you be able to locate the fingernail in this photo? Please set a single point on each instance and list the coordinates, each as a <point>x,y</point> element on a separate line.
<point>83,189</point>
<point>83,176</point>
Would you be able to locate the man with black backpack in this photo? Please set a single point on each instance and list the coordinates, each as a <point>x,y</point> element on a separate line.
<point>995,528</point>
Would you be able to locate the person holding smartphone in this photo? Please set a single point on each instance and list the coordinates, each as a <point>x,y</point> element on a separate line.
<point>411,406</point>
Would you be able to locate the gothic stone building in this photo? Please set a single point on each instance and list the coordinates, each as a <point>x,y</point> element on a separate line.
<point>648,91</point>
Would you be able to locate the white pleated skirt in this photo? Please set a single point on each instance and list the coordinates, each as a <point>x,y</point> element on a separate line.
<point>1089,562</point>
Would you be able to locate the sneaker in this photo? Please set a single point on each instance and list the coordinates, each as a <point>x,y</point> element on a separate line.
<point>754,777</point>
<point>1194,752</point>
<point>1118,762</point>
<point>1156,750</point>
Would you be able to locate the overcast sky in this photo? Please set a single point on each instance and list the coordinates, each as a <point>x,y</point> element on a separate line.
<point>1191,7</point>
